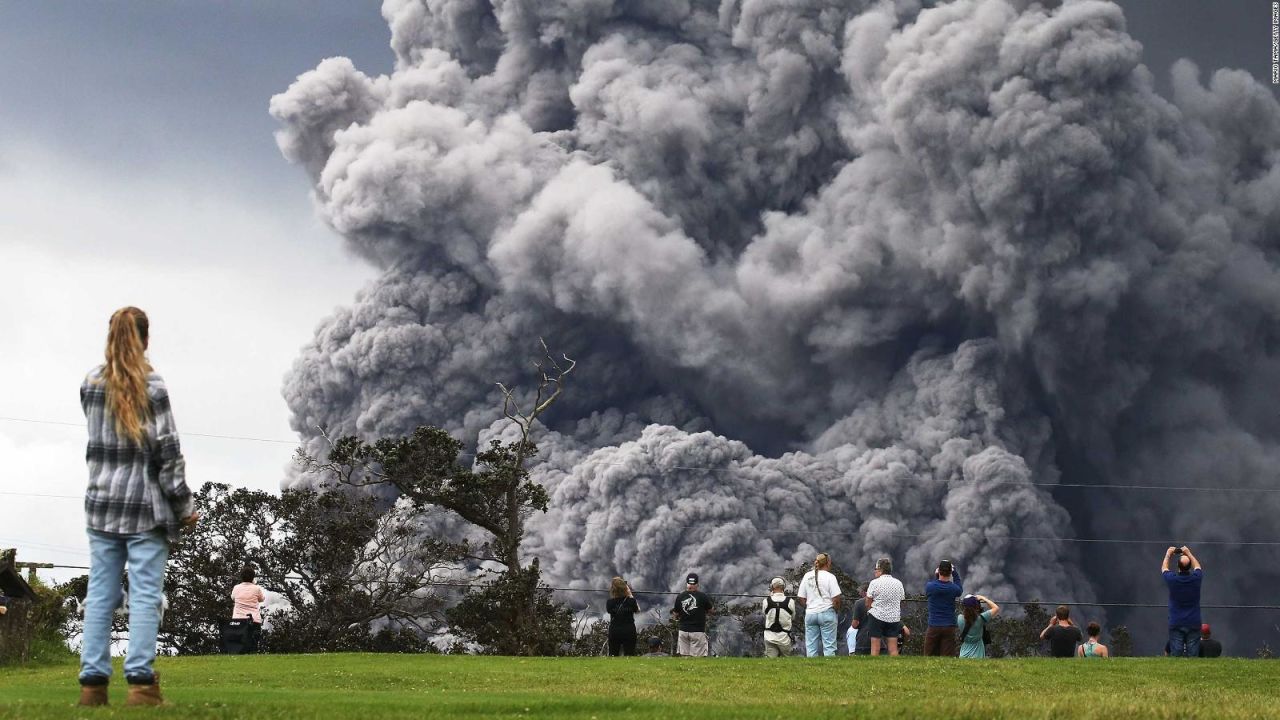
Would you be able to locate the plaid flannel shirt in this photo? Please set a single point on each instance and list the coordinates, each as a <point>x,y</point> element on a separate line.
<point>132,488</point>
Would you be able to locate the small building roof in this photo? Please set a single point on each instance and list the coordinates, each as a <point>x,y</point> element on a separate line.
<point>11,581</point>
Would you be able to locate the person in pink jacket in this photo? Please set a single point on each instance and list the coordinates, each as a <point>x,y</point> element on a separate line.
<point>248,598</point>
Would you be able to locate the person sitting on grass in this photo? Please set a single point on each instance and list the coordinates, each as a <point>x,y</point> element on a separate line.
<point>1209,648</point>
<point>1061,633</point>
<point>1092,648</point>
<point>655,648</point>
<point>972,621</point>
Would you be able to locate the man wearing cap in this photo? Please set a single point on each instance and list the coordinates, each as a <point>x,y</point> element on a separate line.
<point>692,609</point>
<point>1184,601</point>
<point>942,592</point>
<point>778,611</point>
<point>1209,648</point>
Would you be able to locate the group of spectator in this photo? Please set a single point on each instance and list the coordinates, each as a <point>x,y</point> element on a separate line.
<point>133,451</point>
<point>876,616</point>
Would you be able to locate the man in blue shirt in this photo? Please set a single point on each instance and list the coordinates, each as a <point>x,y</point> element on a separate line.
<point>1184,602</point>
<point>942,591</point>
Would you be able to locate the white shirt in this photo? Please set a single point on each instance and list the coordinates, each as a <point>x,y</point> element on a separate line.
<point>784,618</point>
<point>887,593</point>
<point>818,593</point>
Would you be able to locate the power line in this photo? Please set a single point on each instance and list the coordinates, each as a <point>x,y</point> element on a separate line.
<point>1086,486</point>
<point>180,433</point>
<point>1074,603</point>
<point>1017,538</point>
<point>41,495</point>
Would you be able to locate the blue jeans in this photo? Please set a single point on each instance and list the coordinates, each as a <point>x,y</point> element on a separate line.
<point>820,625</point>
<point>1184,640</point>
<point>146,554</point>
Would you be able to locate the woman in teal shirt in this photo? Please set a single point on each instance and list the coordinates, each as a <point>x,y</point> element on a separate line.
<point>1093,648</point>
<point>971,623</point>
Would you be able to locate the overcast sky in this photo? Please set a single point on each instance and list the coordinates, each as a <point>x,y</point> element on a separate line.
<point>137,166</point>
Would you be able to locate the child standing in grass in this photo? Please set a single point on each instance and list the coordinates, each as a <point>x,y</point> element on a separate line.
<point>135,503</point>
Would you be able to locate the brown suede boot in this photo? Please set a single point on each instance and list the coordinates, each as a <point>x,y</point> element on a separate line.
<point>93,695</point>
<point>145,695</point>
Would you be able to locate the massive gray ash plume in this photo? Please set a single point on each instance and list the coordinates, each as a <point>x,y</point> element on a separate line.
<point>851,276</point>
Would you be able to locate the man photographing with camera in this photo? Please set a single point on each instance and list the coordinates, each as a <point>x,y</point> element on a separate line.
<point>942,591</point>
<point>1184,601</point>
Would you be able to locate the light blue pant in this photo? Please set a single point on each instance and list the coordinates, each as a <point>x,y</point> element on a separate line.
<point>820,626</point>
<point>146,555</point>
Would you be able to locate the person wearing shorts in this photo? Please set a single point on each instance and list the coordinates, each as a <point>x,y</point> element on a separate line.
<point>884,608</point>
<point>691,610</point>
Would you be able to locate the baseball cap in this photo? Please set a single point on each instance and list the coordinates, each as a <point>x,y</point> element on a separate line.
<point>1204,629</point>
<point>777,581</point>
<point>970,601</point>
<point>692,579</point>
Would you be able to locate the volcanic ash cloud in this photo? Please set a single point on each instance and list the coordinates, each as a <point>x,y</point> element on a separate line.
<point>857,277</point>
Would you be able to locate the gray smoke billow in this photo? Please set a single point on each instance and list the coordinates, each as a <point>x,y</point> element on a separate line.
<point>864,277</point>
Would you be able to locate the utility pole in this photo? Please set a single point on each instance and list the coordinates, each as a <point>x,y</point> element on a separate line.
<point>31,568</point>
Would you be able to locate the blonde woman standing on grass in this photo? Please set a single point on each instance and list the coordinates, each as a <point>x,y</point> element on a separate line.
<point>819,594</point>
<point>135,504</point>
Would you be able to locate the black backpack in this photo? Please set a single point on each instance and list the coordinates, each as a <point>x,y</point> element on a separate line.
<point>784,606</point>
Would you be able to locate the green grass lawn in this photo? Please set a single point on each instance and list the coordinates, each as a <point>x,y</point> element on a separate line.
<point>417,686</point>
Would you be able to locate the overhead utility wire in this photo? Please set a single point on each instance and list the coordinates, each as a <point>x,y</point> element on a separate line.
<point>1087,486</point>
<point>440,583</point>
<point>1077,603</point>
<point>180,433</point>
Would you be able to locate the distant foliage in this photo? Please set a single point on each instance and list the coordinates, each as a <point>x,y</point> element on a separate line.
<point>354,576</point>
<point>1121,642</point>
<point>514,615</point>
<point>36,632</point>
<point>1017,634</point>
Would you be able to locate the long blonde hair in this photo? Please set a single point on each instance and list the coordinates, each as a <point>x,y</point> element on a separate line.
<point>125,372</point>
<point>617,588</point>
<point>818,562</point>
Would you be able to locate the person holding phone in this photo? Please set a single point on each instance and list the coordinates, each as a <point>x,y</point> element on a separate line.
<point>972,622</point>
<point>622,609</point>
<point>1184,601</point>
<point>1061,633</point>
<point>942,592</point>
